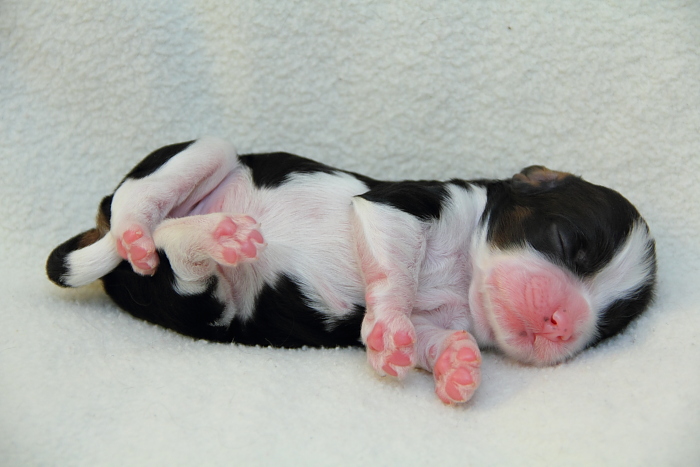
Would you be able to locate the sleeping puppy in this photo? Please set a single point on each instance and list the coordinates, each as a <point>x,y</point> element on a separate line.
<point>275,249</point>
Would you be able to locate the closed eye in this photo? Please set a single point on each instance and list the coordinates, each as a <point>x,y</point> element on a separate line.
<point>563,244</point>
<point>568,246</point>
<point>559,242</point>
<point>573,249</point>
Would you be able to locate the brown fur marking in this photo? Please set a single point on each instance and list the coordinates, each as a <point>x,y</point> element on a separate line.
<point>93,235</point>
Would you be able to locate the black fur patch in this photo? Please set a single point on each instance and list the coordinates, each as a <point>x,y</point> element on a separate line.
<point>422,199</point>
<point>154,299</point>
<point>56,267</point>
<point>576,224</point>
<point>273,169</point>
<point>106,208</point>
<point>622,312</point>
<point>156,159</point>
<point>283,319</point>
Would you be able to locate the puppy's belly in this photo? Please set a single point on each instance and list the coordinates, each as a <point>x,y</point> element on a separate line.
<point>306,224</point>
<point>233,195</point>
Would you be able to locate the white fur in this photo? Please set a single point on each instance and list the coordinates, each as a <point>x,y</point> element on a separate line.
<point>306,222</point>
<point>393,242</point>
<point>88,264</point>
<point>445,275</point>
<point>329,241</point>
<point>174,188</point>
<point>626,272</point>
<point>489,332</point>
<point>306,225</point>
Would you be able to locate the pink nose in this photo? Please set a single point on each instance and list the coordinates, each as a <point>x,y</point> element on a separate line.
<point>558,327</point>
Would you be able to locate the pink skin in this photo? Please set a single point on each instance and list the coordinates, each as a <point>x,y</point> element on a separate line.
<point>138,248</point>
<point>390,348</point>
<point>538,309</point>
<point>228,239</point>
<point>237,239</point>
<point>457,371</point>
<point>390,246</point>
<point>387,330</point>
<point>139,206</point>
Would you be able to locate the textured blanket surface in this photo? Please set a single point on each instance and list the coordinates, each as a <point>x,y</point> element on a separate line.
<point>397,89</point>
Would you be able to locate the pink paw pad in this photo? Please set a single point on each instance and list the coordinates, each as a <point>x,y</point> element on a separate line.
<point>456,371</point>
<point>238,239</point>
<point>391,352</point>
<point>139,249</point>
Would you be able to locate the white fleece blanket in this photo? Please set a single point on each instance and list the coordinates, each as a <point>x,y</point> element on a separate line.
<point>396,89</point>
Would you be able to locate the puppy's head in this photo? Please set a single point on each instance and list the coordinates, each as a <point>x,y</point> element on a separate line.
<point>561,265</point>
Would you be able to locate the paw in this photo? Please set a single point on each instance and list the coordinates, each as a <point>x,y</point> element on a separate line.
<point>390,345</point>
<point>457,370</point>
<point>236,239</point>
<point>137,247</point>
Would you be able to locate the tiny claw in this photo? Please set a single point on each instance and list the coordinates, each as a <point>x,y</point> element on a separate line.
<point>389,370</point>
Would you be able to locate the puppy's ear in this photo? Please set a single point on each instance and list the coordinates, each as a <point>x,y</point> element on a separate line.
<point>538,178</point>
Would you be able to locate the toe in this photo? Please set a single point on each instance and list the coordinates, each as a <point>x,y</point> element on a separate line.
<point>375,340</point>
<point>399,359</point>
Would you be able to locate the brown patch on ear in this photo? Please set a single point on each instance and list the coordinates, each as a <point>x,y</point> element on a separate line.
<point>538,176</point>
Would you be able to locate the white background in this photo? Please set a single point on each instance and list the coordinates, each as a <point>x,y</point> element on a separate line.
<point>399,89</point>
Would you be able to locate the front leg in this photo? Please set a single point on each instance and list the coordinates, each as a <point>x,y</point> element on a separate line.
<point>391,245</point>
<point>452,356</point>
<point>169,182</point>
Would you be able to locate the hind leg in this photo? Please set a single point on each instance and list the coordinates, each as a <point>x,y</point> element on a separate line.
<point>170,181</point>
<point>195,245</point>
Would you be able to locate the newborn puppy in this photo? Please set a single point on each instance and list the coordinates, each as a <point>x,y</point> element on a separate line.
<point>275,249</point>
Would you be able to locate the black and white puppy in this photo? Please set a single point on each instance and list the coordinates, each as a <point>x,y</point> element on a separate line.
<point>275,249</point>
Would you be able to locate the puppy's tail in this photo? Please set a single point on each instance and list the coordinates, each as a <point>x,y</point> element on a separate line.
<point>87,256</point>
<point>82,259</point>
